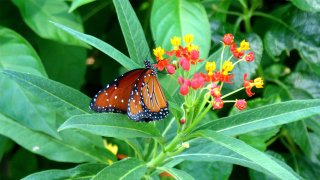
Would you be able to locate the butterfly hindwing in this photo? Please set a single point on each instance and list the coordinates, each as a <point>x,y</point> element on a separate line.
<point>147,101</point>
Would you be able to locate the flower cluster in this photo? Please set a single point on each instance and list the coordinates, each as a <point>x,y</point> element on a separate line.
<point>183,62</point>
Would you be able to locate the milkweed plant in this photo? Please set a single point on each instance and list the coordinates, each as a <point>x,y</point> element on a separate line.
<point>218,116</point>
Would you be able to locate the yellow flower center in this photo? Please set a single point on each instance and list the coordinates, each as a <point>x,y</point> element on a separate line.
<point>158,52</point>
<point>258,82</point>
<point>227,67</point>
<point>244,46</point>
<point>210,67</point>
<point>192,47</point>
<point>188,38</point>
<point>175,41</point>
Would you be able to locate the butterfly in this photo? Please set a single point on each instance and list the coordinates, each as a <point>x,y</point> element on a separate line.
<point>136,93</point>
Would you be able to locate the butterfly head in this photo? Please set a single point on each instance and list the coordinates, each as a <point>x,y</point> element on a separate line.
<point>148,65</point>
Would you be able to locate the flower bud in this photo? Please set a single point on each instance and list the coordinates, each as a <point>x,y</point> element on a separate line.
<point>218,103</point>
<point>182,121</point>
<point>184,89</point>
<point>185,64</point>
<point>228,39</point>
<point>241,104</point>
<point>171,69</point>
<point>249,57</point>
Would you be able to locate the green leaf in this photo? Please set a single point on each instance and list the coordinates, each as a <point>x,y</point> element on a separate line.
<point>265,116</point>
<point>77,3</point>
<point>215,170</point>
<point>83,171</point>
<point>4,141</point>
<point>17,54</point>
<point>178,18</point>
<point>202,150</point>
<point>111,125</point>
<point>132,31</point>
<point>301,35</point>
<point>298,131</point>
<point>267,164</point>
<point>102,46</point>
<point>38,13</point>
<point>65,99</point>
<point>64,63</point>
<point>307,5</point>
<point>176,173</point>
<point>129,168</point>
<point>48,146</point>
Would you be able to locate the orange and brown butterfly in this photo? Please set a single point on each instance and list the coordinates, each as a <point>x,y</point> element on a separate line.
<point>136,93</point>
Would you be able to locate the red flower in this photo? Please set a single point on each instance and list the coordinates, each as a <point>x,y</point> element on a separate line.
<point>184,89</point>
<point>228,39</point>
<point>247,85</point>
<point>235,52</point>
<point>162,64</point>
<point>249,57</point>
<point>241,104</point>
<point>218,103</point>
<point>185,64</point>
<point>171,69</point>
<point>215,91</point>
<point>197,81</point>
<point>182,121</point>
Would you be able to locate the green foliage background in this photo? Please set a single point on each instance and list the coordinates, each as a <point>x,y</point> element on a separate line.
<point>46,83</point>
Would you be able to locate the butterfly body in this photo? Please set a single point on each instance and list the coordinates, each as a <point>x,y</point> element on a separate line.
<point>136,93</point>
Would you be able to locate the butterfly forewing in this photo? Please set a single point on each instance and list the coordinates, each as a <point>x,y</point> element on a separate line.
<point>114,97</point>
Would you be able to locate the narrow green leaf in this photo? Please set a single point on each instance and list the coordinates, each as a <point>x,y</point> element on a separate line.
<point>129,168</point>
<point>83,171</point>
<point>178,18</point>
<point>77,3</point>
<point>268,165</point>
<point>102,46</point>
<point>17,54</point>
<point>202,150</point>
<point>47,146</point>
<point>111,125</point>
<point>265,116</point>
<point>38,13</point>
<point>65,99</point>
<point>215,170</point>
<point>132,31</point>
<point>176,173</point>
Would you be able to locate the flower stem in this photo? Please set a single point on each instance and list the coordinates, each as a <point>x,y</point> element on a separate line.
<point>232,92</point>
<point>196,121</point>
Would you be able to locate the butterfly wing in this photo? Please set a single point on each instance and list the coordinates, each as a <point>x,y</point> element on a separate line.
<point>114,97</point>
<point>147,101</point>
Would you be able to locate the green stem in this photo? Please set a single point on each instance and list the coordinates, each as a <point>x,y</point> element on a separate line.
<point>195,122</point>
<point>232,92</point>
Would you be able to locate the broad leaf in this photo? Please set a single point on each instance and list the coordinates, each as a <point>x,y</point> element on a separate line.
<point>267,164</point>
<point>102,46</point>
<point>83,171</point>
<point>48,146</point>
<point>265,116</point>
<point>111,125</point>
<point>301,34</point>
<point>178,18</point>
<point>132,31</point>
<point>67,100</point>
<point>17,54</point>
<point>307,5</point>
<point>38,13</point>
<point>129,168</point>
